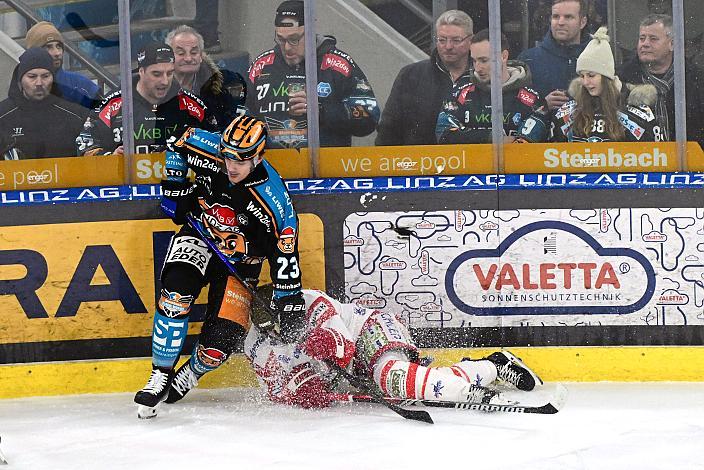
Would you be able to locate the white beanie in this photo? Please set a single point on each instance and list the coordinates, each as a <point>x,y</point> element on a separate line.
<point>597,56</point>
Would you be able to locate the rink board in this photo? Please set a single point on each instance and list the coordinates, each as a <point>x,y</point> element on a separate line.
<point>79,270</point>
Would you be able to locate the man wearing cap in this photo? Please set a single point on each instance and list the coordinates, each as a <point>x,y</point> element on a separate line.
<point>277,94</point>
<point>72,85</point>
<point>34,123</point>
<point>161,109</point>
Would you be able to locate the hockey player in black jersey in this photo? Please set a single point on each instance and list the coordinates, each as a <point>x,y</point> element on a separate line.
<point>242,203</point>
<point>602,109</point>
<point>465,116</point>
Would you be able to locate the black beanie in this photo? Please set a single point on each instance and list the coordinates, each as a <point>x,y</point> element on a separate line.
<point>34,58</point>
<point>289,13</point>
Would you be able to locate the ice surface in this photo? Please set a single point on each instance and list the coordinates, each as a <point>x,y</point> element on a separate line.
<point>602,426</point>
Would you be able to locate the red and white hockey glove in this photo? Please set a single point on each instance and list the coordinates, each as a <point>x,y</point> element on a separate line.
<point>325,343</point>
<point>305,388</point>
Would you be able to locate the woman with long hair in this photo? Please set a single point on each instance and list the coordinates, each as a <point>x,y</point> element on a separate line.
<point>602,109</point>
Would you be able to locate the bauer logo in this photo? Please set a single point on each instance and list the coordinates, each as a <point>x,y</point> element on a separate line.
<point>579,277</point>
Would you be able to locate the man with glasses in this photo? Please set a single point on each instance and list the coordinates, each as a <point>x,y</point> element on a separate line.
<point>277,94</point>
<point>466,114</point>
<point>419,89</point>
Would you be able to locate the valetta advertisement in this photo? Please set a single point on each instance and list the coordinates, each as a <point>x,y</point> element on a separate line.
<point>552,267</point>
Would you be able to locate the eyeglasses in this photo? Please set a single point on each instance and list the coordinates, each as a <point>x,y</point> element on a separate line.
<point>454,41</point>
<point>293,40</point>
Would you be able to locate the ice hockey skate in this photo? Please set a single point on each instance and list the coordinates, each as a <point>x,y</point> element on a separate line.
<point>184,380</point>
<point>513,371</point>
<point>156,391</point>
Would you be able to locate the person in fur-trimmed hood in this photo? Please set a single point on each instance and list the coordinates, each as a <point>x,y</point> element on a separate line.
<point>222,91</point>
<point>465,116</point>
<point>602,109</point>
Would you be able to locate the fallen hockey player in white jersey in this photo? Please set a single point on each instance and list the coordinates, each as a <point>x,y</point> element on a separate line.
<point>372,343</point>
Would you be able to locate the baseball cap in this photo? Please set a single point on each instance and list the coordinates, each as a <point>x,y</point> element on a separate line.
<point>289,14</point>
<point>154,53</point>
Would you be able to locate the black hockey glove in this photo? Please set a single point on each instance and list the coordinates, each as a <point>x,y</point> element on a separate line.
<point>178,199</point>
<point>291,313</point>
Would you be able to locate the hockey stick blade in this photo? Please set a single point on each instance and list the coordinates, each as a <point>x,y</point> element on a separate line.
<point>554,405</point>
<point>373,396</point>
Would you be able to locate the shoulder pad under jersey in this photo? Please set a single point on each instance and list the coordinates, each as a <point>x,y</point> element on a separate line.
<point>192,104</point>
<point>566,110</point>
<point>463,91</point>
<point>338,61</point>
<point>274,194</point>
<point>200,141</point>
<point>263,60</point>
<point>110,107</point>
<point>528,96</point>
<point>644,112</point>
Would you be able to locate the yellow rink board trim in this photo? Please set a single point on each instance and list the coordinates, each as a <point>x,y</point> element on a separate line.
<point>553,364</point>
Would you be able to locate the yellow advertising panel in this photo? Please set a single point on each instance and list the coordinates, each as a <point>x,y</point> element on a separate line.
<point>290,163</point>
<point>69,172</point>
<point>429,160</point>
<point>695,157</point>
<point>96,280</point>
<point>592,157</point>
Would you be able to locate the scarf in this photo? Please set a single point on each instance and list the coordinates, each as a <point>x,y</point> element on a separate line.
<point>663,85</point>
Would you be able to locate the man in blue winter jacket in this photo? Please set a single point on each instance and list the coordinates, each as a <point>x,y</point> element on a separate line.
<point>553,61</point>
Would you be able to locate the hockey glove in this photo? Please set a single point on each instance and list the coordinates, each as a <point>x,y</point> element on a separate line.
<point>326,343</point>
<point>291,313</point>
<point>178,199</point>
<point>305,388</point>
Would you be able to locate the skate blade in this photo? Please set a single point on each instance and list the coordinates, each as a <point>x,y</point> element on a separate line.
<point>146,412</point>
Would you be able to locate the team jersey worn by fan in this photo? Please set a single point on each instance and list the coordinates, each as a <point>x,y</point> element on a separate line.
<point>637,119</point>
<point>153,124</point>
<point>250,221</point>
<point>465,116</point>
<point>346,100</point>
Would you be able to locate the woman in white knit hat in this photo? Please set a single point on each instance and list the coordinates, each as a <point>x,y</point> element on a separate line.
<point>602,109</point>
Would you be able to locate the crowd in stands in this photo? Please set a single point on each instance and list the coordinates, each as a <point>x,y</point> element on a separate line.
<point>566,88</point>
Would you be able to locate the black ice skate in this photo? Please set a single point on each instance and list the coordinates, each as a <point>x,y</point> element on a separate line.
<point>513,371</point>
<point>156,391</point>
<point>185,380</point>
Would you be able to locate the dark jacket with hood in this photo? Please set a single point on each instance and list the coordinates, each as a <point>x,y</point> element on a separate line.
<point>465,117</point>
<point>411,112</point>
<point>222,91</point>
<point>553,65</point>
<point>39,129</point>
<point>347,103</point>
<point>632,72</point>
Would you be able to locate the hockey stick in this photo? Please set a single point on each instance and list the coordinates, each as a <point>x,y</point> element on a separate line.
<point>550,407</point>
<point>356,382</point>
<point>211,244</point>
<point>374,396</point>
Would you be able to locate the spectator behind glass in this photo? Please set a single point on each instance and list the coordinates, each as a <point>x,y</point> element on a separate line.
<point>653,64</point>
<point>603,109</point>
<point>552,62</point>
<point>222,91</point>
<point>34,123</point>
<point>276,80</point>
<point>418,92</point>
<point>72,85</point>
<point>160,109</point>
<point>466,112</point>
